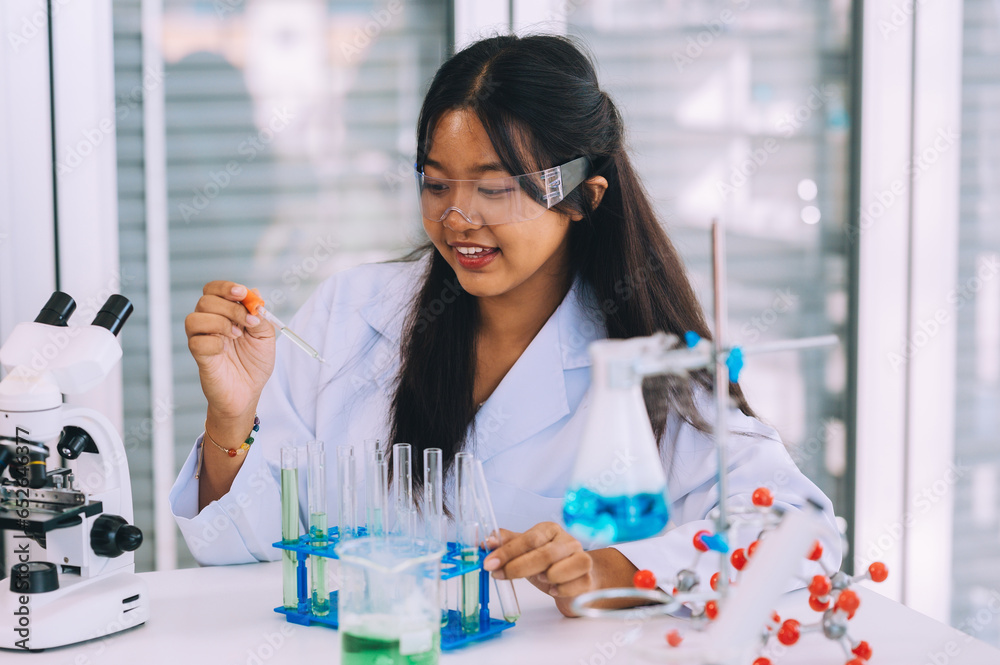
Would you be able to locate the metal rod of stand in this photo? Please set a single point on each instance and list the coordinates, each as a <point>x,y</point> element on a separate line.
<point>791,345</point>
<point>721,393</point>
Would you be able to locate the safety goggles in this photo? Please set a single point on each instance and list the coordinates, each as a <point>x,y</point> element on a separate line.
<point>499,200</point>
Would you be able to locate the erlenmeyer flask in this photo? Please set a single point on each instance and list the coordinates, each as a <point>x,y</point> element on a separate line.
<point>618,491</point>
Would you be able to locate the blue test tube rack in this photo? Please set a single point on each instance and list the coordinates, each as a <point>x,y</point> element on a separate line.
<point>452,635</point>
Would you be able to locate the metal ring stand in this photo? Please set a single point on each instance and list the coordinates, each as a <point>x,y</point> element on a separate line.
<point>663,603</point>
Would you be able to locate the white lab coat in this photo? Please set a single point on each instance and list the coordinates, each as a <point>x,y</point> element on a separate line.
<point>527,433</point>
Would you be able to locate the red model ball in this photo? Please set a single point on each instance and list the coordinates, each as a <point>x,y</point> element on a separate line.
<point>788,634</point>
<point>862,651</point>
<point>820,585</point>
<point>819,605</point>
<point>644,579</point>
<point>762,497</point>
<point>848,601</point>
<point>878,572</point>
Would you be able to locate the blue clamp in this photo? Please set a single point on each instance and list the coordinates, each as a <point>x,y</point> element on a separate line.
<point>716,542</point>
<point>691,338</point>
<point>735,364</point>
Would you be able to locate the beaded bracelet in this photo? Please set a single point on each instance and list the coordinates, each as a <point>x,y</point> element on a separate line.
<point>232,452</point>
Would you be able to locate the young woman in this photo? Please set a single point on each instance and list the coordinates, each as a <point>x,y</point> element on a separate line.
<point>479,341</point>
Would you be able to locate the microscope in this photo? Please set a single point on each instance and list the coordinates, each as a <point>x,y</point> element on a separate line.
<point>71,569</point>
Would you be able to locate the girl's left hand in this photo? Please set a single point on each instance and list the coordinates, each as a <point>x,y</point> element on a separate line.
<point>549,558</point>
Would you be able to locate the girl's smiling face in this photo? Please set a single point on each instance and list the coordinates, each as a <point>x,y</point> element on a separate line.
<point>521,257</point>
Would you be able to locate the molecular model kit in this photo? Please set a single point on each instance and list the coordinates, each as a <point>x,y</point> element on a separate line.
<point>830,594</point>
<point>731,621</point>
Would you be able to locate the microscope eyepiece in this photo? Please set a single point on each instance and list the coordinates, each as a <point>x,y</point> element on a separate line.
<point>114,313</point>
<point>57,310</point>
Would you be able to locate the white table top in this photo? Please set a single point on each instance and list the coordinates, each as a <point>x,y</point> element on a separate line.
<point>225,615</point>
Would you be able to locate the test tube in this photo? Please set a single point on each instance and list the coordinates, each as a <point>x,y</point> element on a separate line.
<point>346,486</point>
<point>434,495</point>
<point>289,524</point>
<point>434,506</point>
<point>468,540</point>
<point>402,474</point>
<point>318,527</point>
<point>505,588</point>
<point>376,487</point>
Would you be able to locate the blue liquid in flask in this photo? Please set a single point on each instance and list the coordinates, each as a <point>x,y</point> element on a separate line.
<point>601,519</point>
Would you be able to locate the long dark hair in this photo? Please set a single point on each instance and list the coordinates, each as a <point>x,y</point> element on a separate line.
<point>540,103</point>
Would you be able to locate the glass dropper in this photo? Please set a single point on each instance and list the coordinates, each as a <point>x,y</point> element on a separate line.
<point>255,305</point>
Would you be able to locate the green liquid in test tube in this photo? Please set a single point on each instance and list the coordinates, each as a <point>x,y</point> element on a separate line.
<point>468,540</point>
<point>318,531</point>
<point>289,524</point>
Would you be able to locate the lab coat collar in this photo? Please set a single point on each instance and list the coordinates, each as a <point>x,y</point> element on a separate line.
<point>535,386</point>
<point>387,310</point>
<point>577,320</point>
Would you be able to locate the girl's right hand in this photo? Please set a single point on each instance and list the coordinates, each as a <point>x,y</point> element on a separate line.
<point>234,350</point>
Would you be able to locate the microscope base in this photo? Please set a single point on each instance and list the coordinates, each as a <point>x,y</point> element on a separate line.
<point>77,611</point>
